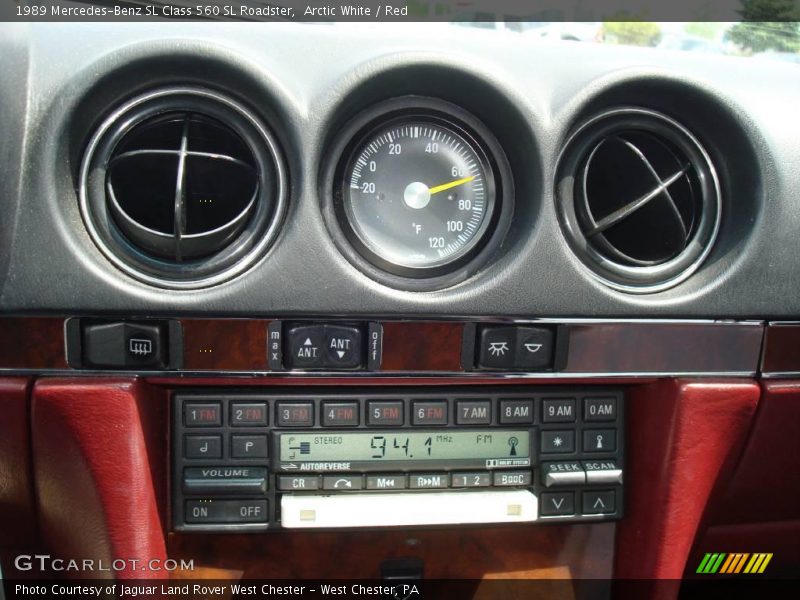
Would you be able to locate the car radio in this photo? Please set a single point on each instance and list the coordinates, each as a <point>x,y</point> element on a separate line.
<point>350,458</point>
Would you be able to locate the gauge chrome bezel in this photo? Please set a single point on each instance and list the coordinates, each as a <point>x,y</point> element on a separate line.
<point>497,173</point>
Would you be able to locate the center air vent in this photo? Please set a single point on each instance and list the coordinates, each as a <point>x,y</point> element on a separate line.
<point>182,188</point>
<point>639,199</point>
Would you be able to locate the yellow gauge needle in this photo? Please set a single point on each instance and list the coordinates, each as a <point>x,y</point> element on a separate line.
<point>451,184</point>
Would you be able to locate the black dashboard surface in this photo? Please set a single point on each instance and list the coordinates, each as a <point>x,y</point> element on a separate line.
<point>305,81</point>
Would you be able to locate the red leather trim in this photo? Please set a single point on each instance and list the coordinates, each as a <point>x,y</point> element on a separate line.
<point>17,517</point>
<point>765,485</point>
<point>98,446</point>
<point>681,435</point>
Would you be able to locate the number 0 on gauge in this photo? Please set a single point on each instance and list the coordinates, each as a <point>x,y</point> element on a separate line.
<point>418,194</point>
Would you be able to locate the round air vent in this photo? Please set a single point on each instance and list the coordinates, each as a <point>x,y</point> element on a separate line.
<point>183,188</point>
<point>638,198</point>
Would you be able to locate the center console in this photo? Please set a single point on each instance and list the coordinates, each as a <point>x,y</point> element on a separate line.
<point>372,457</point>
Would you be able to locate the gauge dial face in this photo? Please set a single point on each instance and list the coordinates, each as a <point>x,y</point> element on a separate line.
<point>418,194</point>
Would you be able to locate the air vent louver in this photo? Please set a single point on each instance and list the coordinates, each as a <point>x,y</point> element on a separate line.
<point>638,198</point>
<point>182,188</point>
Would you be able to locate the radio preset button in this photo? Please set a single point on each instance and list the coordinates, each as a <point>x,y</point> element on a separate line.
<point>342,482</point>
<point>599,440</point>
<point>385,413</point>
<point>386,482</point>
<point>516,411</point>
<point>428,481</point>
<point>249,446</point>
<point>433,412</point>
<point>599,409</point>
<point>295,414</point>
<point>340,414</point>
<point>558,442</point>
<point>558,410</point>
<point>226,511</point>
<point>473,412</point>
<point>558,504</point>
<point>298,483</point>
<point>563,473</point>
<point>511,478</point>
<point>245,414</point>
<point>460,480</point>
<point>205,414</point>
<point>203,446</point>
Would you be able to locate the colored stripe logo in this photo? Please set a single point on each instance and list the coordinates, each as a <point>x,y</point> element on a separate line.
<point>737,562</point>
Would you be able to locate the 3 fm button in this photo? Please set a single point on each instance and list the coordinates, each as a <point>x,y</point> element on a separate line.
<point>295,414</point>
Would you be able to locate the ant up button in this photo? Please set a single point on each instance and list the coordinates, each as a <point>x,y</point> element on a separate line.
<point>305,347</point>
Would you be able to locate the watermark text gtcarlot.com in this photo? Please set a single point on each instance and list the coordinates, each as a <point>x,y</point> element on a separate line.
<point>47,563</point>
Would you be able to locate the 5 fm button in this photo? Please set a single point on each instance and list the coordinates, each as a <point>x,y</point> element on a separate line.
<point>385,412</point>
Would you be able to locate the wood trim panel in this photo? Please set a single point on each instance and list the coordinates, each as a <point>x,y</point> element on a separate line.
<point>519,552</point>
<point>615,347</point>
<point>225,344</point>
<point>781,349</point>
<point>428,346</point>
<point>32,343</point>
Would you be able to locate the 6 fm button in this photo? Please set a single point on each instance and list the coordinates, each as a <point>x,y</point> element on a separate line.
<point>432,412</point>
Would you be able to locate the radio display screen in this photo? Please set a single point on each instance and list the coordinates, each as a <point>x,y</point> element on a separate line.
<point>404,445</point>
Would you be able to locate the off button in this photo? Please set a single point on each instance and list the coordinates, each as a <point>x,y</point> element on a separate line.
<point>226,511</point>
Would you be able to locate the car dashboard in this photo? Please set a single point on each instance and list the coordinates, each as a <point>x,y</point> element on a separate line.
<point>346,301</point>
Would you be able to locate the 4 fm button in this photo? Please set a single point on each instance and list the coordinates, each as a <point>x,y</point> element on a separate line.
<point>339,414</point>
<point>342,347</point>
